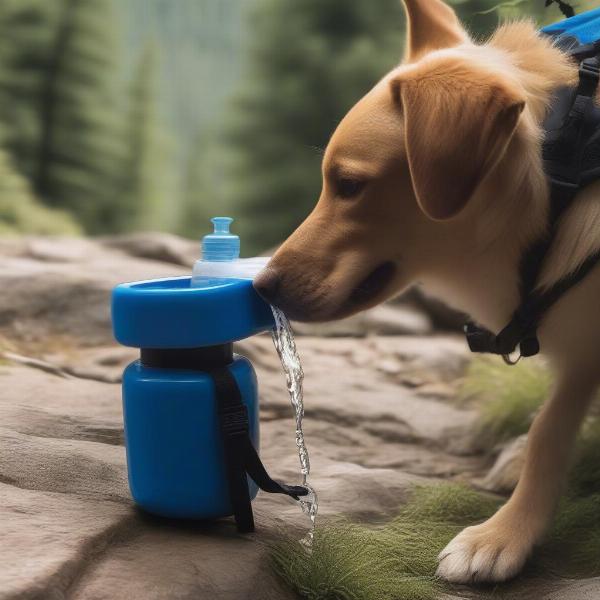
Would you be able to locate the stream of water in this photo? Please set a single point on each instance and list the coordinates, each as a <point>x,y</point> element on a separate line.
<point>283,338</point>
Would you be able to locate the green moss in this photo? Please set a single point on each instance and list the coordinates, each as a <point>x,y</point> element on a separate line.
<point>508,397</point>
<point>574,541</point>
<point>21,212</point>
<point>572,548</point>
<point>452,502</point>
<point>585,473</point>
<point>395,561</point>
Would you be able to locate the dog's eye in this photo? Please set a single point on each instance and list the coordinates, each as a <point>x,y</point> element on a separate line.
<point>348,188</point>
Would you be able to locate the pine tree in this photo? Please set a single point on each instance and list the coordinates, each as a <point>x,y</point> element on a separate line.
<point>27,28</point>
<point>147,175</point>
<point>58,100</point>
<point>200,43</point>
<point>81,149</point>
<point>481,17</point>
<point>309,62</point>
<point>20,212</point>
<point>199,188</point>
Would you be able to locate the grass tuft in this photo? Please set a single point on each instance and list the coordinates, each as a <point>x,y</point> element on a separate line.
<point>574,541</point>
<point>573,545</point>
<point>585,473</point>
<point>508,397</point>
<point>395,561</point>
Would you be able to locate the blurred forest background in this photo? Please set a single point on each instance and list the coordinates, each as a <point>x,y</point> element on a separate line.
<point>131,115</point>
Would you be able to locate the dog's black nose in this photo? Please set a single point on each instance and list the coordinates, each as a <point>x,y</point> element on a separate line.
<point>266,283</point>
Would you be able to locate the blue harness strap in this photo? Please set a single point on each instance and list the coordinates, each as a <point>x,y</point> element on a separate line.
<point>571,154</point>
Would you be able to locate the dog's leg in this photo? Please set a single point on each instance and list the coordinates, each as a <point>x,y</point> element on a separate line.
<point>498,548</point>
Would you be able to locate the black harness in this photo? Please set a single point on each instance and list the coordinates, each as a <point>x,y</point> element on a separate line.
<point>571,155</point>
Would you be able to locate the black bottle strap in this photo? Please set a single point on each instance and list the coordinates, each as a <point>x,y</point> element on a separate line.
<point>241,457</point>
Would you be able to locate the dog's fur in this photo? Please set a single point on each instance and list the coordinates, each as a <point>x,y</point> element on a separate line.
<point>436,177</point>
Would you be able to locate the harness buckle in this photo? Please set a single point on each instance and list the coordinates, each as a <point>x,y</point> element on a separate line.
<point>589,76</point>
<point>589,67</point>
<point>529,346</point>
<point>478,338</point>
<point>510,361</point>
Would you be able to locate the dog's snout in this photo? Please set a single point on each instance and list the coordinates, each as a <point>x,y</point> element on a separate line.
<point>267,284</point>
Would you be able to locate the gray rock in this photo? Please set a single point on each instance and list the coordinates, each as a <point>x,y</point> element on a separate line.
<point>442,316</point>
<point>65,495</point>
<point>62,250</point>
<point>62,287</point>
<point>587,589</point>
<point>159,246</point>
<point>51,293</point>
<point>49,537</point>
<point>386,319</point>
<point>102,363</point>
<point>380,417</point>
<point>504,475</point>
<point>66,506</point>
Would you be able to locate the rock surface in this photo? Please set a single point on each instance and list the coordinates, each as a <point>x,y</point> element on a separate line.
<point>387,319</point>
<point>379,417</point>
<point>66,507</point>
<point>504,475</point>
<point>59,288</point>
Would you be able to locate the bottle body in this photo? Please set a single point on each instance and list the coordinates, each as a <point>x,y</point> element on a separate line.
<point>173,437</point>
<point>174,449</point>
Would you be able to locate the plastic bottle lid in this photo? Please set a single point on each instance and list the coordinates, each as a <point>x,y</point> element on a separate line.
<point>170,313</point>
<point>221,245</point>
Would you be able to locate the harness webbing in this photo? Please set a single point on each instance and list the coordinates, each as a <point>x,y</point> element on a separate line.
<point>571,136</point>
<point>564,7</point>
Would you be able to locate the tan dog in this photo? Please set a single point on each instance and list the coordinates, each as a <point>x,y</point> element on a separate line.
<point>435,177</point>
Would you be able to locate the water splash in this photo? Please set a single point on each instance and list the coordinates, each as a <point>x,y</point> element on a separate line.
<point>283,339</point>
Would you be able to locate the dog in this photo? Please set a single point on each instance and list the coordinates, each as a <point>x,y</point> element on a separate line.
<point>435,177</point>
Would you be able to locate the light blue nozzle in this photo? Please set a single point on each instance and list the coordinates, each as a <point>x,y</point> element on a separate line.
<point>220,245</point>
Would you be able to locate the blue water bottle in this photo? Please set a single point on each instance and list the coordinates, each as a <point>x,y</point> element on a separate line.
<point>190,404</point>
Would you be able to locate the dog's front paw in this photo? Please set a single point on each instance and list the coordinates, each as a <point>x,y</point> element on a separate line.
<point>488,552</point>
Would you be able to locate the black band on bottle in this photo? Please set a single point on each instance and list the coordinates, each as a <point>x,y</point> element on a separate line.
<point>241,457</point>
<point>195,359</point>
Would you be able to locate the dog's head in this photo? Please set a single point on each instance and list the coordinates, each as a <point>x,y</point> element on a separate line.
<point>399,172</point>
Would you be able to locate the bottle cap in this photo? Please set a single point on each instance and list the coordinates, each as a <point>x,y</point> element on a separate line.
<point>220,245</point>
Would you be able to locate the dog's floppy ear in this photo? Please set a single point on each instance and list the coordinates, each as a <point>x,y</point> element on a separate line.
<point>457,128</point>
<point>431,25</point>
